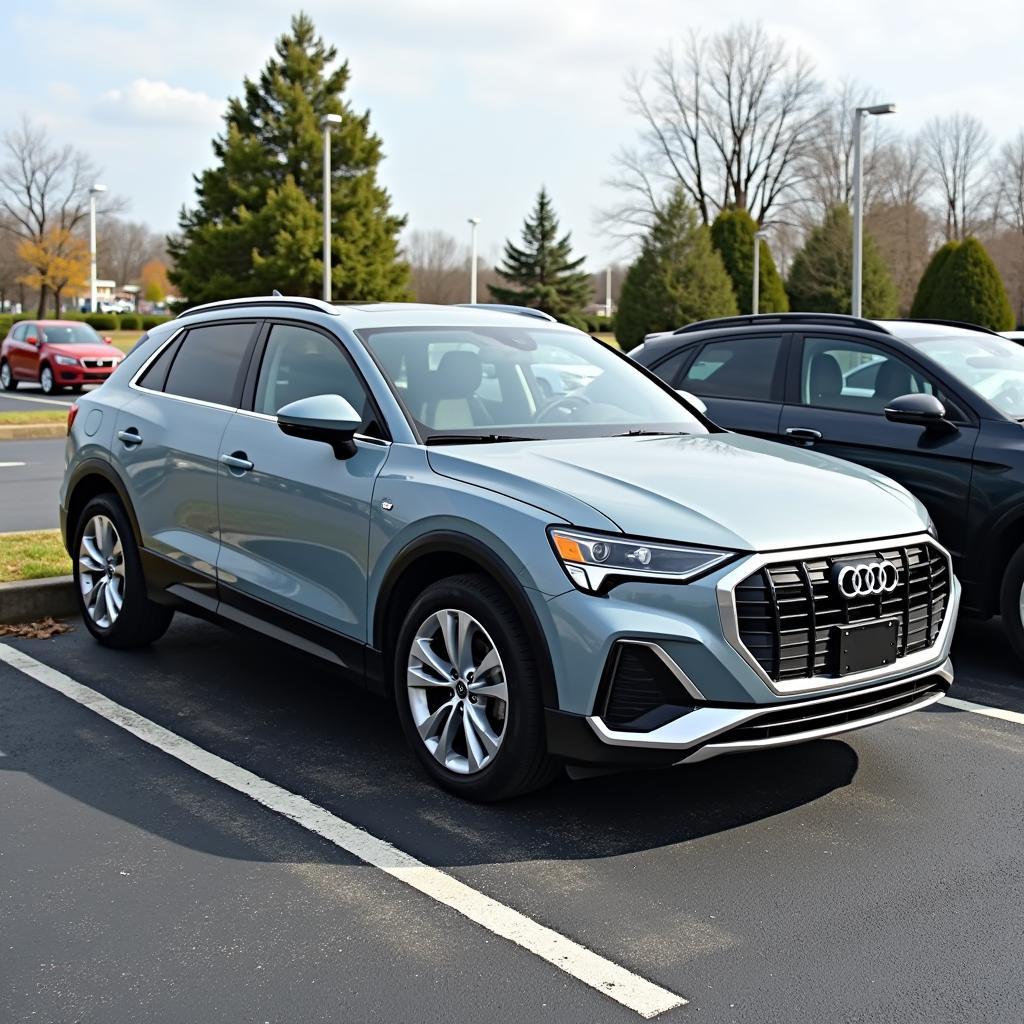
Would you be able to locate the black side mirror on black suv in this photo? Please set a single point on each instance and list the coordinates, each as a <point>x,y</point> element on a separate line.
<point>920,410</point>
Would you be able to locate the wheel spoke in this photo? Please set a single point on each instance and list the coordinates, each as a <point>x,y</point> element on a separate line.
<point>443,750</point>
<point>88,563</point>
<point>449,634</point>
<point>496,689</point>
<point>475,753</point>
<point>114,589</point>
<point>429,727</point>
<point>108,597</point>
<point>89,543</point>
<point>466,628</point>
<point>482,728</point>
<point>489,661</point>
<point>417,678</point>
<point>422,650</point>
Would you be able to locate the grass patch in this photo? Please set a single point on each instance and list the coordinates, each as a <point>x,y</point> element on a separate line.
<point>124,340</point>
<point>33,416</point>
<point>32,556</point>
<point>608,339</point>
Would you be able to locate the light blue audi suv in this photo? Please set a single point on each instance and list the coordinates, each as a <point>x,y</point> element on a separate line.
<point>584,572</point>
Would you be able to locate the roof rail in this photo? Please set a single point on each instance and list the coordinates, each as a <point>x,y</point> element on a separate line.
<point>497,307</point>
<point>761,319</point>
<point>262,300</point>
<point>948,323</point>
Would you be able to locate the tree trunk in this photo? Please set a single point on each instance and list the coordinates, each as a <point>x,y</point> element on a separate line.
<point>56,302</point>
<point>41,311</point>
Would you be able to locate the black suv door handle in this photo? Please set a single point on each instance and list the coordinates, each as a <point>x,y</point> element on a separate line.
<point>804,433</point>
<point>237,462</point>
<point>130,437</point>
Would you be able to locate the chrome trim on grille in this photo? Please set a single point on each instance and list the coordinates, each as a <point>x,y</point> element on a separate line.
<point>698,727</point>
<point>936,654</point>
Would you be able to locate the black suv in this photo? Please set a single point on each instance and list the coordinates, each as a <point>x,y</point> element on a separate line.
<point>937,406</point>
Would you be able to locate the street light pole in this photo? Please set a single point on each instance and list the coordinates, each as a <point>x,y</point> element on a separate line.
<point>326,123</point>
<point>93,193</point>
<point>473,222</point>
<point>858,200</point>
<point>608,292</point>
<point>755,304</point>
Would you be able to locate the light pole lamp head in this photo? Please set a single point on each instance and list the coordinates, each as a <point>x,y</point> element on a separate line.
<point>761,234</point>
<point>474,221</point>
<point>97,189</point>
<point>330,120</point>
<point>878,108</point>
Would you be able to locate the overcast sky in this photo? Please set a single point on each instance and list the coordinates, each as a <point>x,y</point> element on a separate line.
<point>477,103</point>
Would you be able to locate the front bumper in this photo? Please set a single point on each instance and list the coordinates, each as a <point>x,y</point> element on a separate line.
<point>72,376</point>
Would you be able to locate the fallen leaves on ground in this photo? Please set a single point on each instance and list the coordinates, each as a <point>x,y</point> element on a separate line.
<point>44,629</point>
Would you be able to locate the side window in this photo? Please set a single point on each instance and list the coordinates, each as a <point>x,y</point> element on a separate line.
<point>155,376</point>
<point>299,363</point>
<point>210,363</point>
<point>854,376</point>
<point>738,368</point>
<point>18,334</point>
<point>668,369</point>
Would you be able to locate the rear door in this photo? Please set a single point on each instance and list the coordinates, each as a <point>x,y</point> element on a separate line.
<point>23,357</point>
<point>836,396</point>
<point>741,380</point>
<point>167,443</point>
<point>295,525</point>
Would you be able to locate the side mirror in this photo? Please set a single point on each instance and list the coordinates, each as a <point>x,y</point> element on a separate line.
<point>32,339</point>
<point>108,339</point>
<point>326,418</point>
<point>920,411</point>
<point>691,399</point>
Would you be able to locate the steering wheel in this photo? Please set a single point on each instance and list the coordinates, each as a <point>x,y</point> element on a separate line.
<point>1010,394</point>
<point>566,404</point>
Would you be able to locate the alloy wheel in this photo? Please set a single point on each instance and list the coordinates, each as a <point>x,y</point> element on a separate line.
<point>5,376</point>
<point>46,380</point>
<point>457,690</point>
<point>101,571</point>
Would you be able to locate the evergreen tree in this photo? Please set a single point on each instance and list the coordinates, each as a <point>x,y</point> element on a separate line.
<point>732,234</point>
<point>678,277</point>
<point>970,289</point>
<point>258,220</point>
<point>820,278</point>
<point>924,297</point>
<point>542,274</point>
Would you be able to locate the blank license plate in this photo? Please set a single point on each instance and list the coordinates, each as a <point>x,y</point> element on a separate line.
<point>870,645</point>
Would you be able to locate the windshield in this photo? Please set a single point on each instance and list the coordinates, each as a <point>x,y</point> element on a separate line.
<point>990,366</point>
<point>513,383</point>
<point>70,334</point>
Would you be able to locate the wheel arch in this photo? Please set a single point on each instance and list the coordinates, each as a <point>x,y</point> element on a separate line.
<point>90,478</point>
<point>436,556</point>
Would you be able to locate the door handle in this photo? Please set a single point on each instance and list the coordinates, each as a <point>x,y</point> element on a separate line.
<point>804,433</point>
<point>237,462</point>
<point>130,437</point>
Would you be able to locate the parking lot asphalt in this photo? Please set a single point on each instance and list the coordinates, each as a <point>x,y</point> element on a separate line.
<point>30,476</point>
<point>874,878</point>
<point>30,397</point>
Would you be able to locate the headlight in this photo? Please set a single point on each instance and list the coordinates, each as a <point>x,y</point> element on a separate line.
<point>931,528</point>
<point>592,559</point>
<point>66,360</point>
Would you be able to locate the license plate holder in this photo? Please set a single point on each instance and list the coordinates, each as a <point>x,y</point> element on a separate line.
<point>866,645</point>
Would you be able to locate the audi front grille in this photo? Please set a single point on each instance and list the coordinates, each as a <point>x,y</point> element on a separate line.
<point>787,611</point>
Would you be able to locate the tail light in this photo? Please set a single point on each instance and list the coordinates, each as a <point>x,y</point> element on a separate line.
<point>72,413</point>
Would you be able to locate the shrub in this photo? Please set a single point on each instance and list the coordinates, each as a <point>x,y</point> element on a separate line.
<point>970,289</point>
<point>678,278</point>
<point>102,321</point>
<point>6,322</point>
<point>131,322</point>
<point>925,296</point>
<point>149,322</point>
<point>732,234</point>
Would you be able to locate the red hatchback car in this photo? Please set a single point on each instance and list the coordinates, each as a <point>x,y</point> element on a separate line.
<point>57,354</point>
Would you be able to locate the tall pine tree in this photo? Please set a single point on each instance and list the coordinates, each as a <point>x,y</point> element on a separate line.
<point>257,224</point>
<point>542,274</point>
<point>679,277</point>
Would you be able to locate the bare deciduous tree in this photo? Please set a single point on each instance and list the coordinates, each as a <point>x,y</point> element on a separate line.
<point>956,147</point>
<point>1010,183</point>
<point>43,187</point>
<point>124,247</point>
<point>730,120</point>
<point>440,273</point>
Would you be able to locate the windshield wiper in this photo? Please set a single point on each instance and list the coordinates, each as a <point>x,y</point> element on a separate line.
<point>652,433</point>
<point>476,438</point>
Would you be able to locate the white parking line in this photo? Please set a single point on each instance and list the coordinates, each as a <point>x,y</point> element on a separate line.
<point>31,398</point>
<point>11,465</point>
<point>984,709</point>
<point>636,993</point>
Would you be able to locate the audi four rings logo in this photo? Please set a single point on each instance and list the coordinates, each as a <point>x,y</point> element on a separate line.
<point>868,579</point>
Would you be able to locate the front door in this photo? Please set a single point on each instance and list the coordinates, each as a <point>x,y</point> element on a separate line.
<point>295,526</point>
<point>836,405</point>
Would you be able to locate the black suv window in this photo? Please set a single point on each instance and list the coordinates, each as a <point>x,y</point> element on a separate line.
<point>299,363</point>
<point>738,368</point>
<point>210,363</point>
<point>854,376</point>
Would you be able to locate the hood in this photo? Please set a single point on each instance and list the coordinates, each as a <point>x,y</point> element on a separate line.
<point>79,351</point>
<point>725,490</point>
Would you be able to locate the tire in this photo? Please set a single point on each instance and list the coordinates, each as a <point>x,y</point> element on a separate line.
<point>442,706</point>
<point>104,553</point>
<point>47,382</point>
<point>7,381</point>
<point>1011,602</point>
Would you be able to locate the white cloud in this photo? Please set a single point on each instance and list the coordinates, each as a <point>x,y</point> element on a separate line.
<point>145,101</point>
